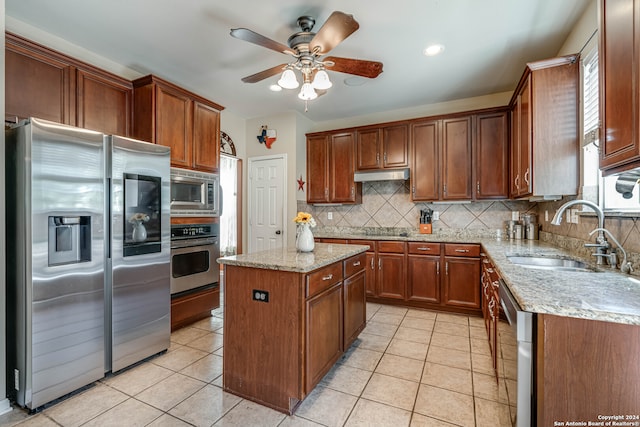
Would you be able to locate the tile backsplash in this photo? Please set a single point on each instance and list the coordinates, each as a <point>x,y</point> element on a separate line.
<point>388,204</point>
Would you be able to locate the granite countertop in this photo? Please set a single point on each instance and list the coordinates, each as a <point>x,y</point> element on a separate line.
<point>288,259</point>
<point>605,294</point>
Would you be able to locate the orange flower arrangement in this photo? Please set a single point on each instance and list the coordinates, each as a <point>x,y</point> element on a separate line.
<point>305,218</point>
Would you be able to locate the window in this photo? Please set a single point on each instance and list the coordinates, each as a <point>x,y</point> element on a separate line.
<point>598,189</point>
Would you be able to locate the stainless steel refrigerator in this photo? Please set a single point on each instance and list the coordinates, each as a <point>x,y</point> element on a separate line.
<point>88,241</point>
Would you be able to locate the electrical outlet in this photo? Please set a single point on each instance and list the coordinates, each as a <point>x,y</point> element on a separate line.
<point>435,216</point>
<point>329,216</point>
<point>574,216</point>
<point>568,214</point>
<point>546,216</point>
<point>515,215</point>
<point>261,296</point>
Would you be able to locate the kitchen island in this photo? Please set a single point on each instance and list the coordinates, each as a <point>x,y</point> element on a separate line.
<point>289,316</point>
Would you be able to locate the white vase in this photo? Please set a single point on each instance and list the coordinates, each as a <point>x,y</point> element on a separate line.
<point>139,232</point>
<point>304,238</point>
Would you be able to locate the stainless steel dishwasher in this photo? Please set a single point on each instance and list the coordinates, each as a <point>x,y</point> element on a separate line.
<point>522,326</point>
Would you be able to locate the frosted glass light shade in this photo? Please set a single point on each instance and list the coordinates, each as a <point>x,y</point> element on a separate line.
<point>307,93</point>
<point>321,80</point>
<point>288,80</point>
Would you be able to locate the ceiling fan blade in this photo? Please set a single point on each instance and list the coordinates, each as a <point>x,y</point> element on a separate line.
<point>260,40</point>
<point>254,78</point>
<point>338,27</point>
<point>358,67</point>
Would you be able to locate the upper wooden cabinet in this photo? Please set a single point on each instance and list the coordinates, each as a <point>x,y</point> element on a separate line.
<point>49,85</point>
<point>544,138</point>
<point>38,83</point>
<point>103,103</point>
<point>442,159</point>
<point>619,72</point>
<point>491,156</point>
<point>171,116</point>
<point>330,169</point>
<point>385,147</point>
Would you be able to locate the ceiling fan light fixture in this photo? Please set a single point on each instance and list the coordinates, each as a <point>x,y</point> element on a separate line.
<point>307,93</point>
<point>321,80</point>
<point>288,80</point>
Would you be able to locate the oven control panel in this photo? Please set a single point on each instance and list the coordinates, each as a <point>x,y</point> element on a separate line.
<point>193,231</point>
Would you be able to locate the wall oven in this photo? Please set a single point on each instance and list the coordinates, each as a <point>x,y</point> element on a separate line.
<point>194,251</point>
<point>194,193</point>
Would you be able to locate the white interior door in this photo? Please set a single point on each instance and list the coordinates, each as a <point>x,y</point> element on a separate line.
<point>267,202</point>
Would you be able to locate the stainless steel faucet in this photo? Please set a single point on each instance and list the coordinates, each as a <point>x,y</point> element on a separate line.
<point>601,245</point>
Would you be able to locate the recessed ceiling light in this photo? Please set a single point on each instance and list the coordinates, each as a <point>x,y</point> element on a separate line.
<point>433,50</point>
<point>275,88</point>
<point>354,81</point>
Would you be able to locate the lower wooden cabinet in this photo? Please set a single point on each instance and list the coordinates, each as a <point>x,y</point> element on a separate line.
<point>355,302</point>
<point>189,308</point>
<point>423,272</point>
<point>433,275</point>
<point>391,276</point>
<point>324,343</point>
<point>586,369</point>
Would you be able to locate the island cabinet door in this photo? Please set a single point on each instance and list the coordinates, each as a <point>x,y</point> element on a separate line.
<point>354,307</point>
<point>323,334</point>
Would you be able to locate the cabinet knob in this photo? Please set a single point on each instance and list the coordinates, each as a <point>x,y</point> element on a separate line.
<point>379,264</point>
<point>446,268</point>
<point>424,249</point>
<point>526,177</point>
<point>444,189</point>
<point>438,268</point>
<point>329,277</point>
<point>372,265</point>
<point>517,181</point>
<point>478,187</point>
<point>462,250</point>
<point>357,263</point>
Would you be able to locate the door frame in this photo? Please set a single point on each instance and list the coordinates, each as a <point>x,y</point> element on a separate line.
<point>251,160</point>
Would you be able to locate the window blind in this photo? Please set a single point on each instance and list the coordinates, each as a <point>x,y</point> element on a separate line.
<point>591,112</point>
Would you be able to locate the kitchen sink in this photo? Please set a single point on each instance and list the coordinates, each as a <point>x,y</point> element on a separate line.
<point>551,263</point>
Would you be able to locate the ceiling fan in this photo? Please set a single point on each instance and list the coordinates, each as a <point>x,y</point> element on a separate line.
<point>307,49</point>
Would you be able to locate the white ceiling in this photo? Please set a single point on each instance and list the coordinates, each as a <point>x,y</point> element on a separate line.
<point>487,43</point>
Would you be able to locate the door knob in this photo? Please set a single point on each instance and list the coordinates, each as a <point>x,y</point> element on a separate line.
<point>278,232</point>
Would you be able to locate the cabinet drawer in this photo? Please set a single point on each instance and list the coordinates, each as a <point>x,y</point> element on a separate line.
<point>424,248</point>
<point>322,279</point>
<point>354,264</point>
<point>391,247</point>
<point>371,243</point>
<point>469,250</point>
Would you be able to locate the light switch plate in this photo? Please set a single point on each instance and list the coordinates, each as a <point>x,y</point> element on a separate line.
<point>329,216</point>
<point>435,216</point>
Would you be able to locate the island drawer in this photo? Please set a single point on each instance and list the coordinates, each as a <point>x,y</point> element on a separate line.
<point>323,279</point>
<point>421,248</point>
<point>460,249</point>
<point>354,264</point>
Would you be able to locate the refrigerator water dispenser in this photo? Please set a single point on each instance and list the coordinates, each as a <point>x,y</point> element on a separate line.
<point>69,239</point>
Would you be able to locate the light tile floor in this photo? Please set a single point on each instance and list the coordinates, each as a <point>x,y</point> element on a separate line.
<point>408,368</point>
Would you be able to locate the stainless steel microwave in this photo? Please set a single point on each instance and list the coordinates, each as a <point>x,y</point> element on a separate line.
<point>194,193</point>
